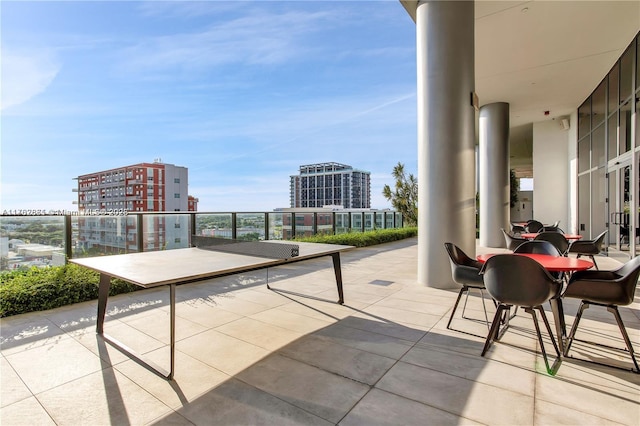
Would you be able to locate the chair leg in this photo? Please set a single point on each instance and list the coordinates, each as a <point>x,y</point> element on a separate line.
<point>553,369</point>
<point>614,310</point>
<point>574,327</point>
<point>455,305</point>
<point>493,331</point>
<point>623,330</point>
<point>593,259</point>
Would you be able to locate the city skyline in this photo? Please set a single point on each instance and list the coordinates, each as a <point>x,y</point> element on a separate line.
<point>240,93</point>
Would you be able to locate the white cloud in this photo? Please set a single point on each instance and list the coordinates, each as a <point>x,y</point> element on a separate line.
<point>25,76</point>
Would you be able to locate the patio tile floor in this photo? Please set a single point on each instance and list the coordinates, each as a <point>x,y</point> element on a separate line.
<point>291,356</point>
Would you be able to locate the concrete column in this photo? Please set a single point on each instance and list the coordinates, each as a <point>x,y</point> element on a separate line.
<point>494,173</point>
<point>446,139</point>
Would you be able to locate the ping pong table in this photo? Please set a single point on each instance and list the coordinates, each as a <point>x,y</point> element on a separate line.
<point>181,266</point>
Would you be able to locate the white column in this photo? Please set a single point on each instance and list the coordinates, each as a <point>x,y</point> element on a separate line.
<point>493,150</point>
<point>446,139</point>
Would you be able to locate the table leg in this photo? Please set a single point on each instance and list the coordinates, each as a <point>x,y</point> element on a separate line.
<point>338,271</point>
<point>558,318</point>
<point>103,294</point>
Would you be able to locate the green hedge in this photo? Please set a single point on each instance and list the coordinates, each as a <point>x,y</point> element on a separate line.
<point>363,239</point>
<point>39,289</point>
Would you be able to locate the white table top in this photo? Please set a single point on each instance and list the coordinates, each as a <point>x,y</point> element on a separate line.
<point>154,268</point>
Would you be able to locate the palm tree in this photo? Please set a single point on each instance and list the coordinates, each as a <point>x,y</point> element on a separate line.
<point>404,197</point>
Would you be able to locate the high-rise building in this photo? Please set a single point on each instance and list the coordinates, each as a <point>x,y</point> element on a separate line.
<point>106,197</point>
<point>143,187</point>
<point>326,184</point>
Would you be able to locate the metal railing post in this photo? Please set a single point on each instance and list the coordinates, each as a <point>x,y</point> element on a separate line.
<point>140,228</point>
<point>68,249</point>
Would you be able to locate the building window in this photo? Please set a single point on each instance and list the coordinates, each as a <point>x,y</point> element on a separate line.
<point>176,180</point>
<point>177,240</point>
<point>176,195</point>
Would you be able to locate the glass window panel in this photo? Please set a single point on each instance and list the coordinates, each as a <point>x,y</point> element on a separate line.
<point>638,63</point>
<point>625,128</point>
<point>304,224</point>
<point>598,104</point>
<point>598,205</point>
<point>584,151</point>
<point>250,226</point>
<point>597,147</point>
<point>613,88</point>
<point>584,118</point>
<point>612,136</point>
<point>584,210</point>
<point>626,73</point>
<point>276,221</point>
<point>214,225</point>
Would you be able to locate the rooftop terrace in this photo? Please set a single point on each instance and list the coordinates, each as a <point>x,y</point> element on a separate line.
<point>249,355</point>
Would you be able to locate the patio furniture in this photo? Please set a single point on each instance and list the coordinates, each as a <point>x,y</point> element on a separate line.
<point>534,226</point>
<point>555,238</point>
<point>588,247</point>
<point>538,247</point>
<point>466,272</point>
<point>512,241</point>
<point>608,289</point>
<point>514,280</point>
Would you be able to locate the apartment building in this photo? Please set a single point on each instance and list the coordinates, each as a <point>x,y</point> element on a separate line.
<point>325,184</point>
<point>110,195</point>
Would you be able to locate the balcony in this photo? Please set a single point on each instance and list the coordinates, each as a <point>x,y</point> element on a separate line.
<point>249,355</point>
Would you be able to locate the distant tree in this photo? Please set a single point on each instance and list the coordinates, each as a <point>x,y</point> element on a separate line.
<point>514,188</point>
<point>404,196</point>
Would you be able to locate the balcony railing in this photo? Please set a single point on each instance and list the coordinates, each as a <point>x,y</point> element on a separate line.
<point>41,240</point>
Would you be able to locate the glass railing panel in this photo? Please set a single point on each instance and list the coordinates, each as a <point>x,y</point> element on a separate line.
<point>165,232</point>
<point>342,223</point>
<point>369,221</point>
<point>325,223</point>
<point>103,235</point>
<point>388,218</point>
<point>356,222</point>
<point>304,224</point>
<point>31,241</point>
<point>379,220</point>
<point>250,226</point>
<point>214,225</point>
<point>399,223</point>
<point>276,222</point>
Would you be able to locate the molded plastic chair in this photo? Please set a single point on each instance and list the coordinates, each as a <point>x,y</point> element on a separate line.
<point>516,230</point>
<point>538,247</point>
<point>466,272</point>
<point>534,226</point>
<point>551,229</point>
<point>511,240</point>
<point>555,238</point>
<point>608,289</point>
<point>588,247</point>
<point>520,281</point>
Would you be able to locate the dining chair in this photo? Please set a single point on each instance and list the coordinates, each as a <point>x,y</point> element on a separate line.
<point>608,289</point>
<point>520,281</point>
<point>538,247</point>
<point>466,272</point>
<point>516,230</point>
<point>552,228</point>
<point>534,226</point>
<point>555,238</point>
<point>588,247</point>
<point>512,241</point>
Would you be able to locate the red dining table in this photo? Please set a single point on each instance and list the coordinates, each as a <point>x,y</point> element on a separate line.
<point>532,235</point>
<point>552,264</point>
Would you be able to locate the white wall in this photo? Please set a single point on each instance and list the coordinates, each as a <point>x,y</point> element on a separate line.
<point>551,173</point>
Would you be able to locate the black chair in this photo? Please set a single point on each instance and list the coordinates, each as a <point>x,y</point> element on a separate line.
<point>466,272</point>
<point>552,228</point>
<point>555,238</point>
<point>512,241</point>
<point>517,229</point>
<point>608,289</point>
<point>538,247</point>
<point>534,226</point>
<point>520,281</point>
<point>588,247</point>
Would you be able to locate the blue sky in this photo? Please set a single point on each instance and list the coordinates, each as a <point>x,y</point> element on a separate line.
<point>241,92</point>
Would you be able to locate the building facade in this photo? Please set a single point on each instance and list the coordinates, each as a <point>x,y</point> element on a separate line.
<point>326,184</point>
<point>108,196</point>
